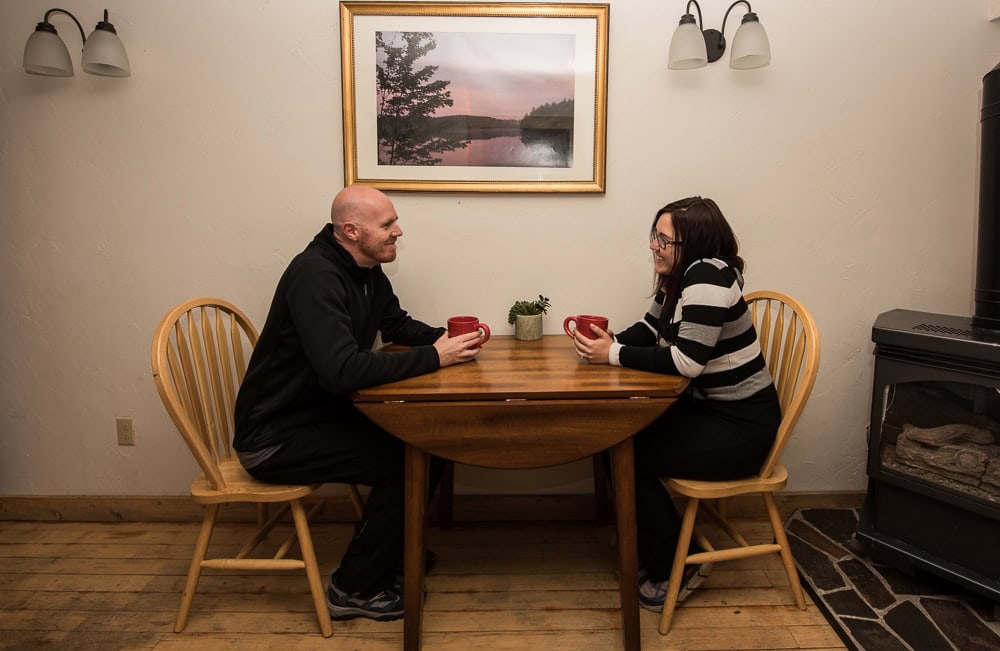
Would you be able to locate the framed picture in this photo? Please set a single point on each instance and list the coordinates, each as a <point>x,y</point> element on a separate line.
<point>474,97</point>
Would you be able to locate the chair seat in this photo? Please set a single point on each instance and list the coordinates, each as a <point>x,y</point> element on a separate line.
<point>705,490</point>
<point>241,487</point>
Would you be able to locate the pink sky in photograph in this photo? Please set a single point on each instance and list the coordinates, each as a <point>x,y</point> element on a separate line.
<point>502,75</point>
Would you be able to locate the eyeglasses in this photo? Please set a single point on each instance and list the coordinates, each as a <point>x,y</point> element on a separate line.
<point>663,241</point>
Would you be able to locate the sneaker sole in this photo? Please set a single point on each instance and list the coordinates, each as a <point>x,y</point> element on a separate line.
<point>341,613</point>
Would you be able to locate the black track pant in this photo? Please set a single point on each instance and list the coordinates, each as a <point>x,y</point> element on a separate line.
<point>352,449</point>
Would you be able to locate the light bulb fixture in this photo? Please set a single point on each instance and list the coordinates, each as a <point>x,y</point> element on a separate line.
<point>103,53</point>
<point>693,47</point>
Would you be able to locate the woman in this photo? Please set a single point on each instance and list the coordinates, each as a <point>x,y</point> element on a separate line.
<point>699,326</point>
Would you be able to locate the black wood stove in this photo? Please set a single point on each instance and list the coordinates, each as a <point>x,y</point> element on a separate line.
<point>934,448</point>
<point>934,436</point>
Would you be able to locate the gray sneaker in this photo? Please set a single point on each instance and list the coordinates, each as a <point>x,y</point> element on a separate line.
<point>652,594</point>
<point>383,607</point>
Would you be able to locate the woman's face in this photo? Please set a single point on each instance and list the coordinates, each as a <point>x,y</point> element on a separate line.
<point>663,234</point>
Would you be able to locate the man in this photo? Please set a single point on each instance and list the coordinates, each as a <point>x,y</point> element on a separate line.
<point>295,422</point>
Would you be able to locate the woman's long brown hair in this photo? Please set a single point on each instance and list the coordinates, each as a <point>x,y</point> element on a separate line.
<point>703,232</point>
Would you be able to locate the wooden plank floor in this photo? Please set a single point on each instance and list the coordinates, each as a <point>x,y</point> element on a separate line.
<point>544,586</point>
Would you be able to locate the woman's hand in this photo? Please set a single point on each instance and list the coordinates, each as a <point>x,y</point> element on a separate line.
<point>594,351</point>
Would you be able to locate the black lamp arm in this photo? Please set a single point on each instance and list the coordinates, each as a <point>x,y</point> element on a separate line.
<point>48,13</point>
<point>715,40</point>
<point>731,7</point>
<point>701,25</point>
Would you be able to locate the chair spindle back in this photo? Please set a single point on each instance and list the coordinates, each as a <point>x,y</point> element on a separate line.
<point>199,357</point>
<point>789,342</point>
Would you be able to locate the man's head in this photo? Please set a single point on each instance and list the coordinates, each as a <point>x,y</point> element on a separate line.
<point>365,223</point>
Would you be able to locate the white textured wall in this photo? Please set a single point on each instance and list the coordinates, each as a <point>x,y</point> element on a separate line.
<point>848,169</point>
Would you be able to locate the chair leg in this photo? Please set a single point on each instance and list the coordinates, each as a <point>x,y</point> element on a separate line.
<point>677,570</point>
<point>312,568</point>
<point>194,571</point>
<point>725,525</point>
<point>703,542</point>
<point>262,532</point>
<point>786,552</point>
<point>286,546</point>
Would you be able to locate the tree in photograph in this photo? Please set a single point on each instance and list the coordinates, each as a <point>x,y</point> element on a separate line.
<point>550,125</point>
<point>407,97</point>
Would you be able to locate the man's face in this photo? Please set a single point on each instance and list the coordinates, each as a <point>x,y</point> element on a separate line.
<point>377,235</point>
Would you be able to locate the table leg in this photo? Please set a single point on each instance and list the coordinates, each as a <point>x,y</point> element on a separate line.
<point>413,552</point>
<point>623,474</point>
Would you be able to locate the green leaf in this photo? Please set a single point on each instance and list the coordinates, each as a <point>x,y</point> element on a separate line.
<point>528,308</point>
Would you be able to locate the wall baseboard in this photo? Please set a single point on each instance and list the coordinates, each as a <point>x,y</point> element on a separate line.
<point>467,508</point>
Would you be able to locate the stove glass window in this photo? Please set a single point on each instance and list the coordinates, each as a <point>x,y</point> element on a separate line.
<point>943,433</point>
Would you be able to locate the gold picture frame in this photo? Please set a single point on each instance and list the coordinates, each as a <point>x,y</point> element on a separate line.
<point>472,97</point>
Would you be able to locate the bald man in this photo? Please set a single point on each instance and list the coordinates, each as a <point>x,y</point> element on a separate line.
<point>295,422</point>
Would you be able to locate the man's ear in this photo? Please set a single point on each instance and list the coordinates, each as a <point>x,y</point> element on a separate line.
<point>350,231</point>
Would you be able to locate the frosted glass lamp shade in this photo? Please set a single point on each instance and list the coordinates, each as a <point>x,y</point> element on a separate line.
<point>46,54</point>
<point>751,49</point>
<point>104,53</point>
<point>687,47</point>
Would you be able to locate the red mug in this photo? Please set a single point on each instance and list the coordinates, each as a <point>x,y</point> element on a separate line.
<point>460,325</point>
<point>583,323</point>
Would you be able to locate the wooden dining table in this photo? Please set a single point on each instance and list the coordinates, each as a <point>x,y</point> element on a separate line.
<point>520,404</point>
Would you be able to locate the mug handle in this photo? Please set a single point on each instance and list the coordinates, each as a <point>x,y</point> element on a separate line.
<point>486,333</point>
<point>566,322</point>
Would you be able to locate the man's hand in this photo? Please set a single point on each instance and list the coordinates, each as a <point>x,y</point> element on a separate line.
<point>594,351</point>
<point>455,350</point>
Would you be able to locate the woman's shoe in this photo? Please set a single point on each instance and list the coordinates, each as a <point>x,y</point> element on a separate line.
<point>652,594</point>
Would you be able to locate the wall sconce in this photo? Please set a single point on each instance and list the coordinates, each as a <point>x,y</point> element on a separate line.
<point>691,47</point>
<point>103,53</point>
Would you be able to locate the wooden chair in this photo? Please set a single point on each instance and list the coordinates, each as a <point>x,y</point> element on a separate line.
<point>199,356</point>
<point>789,341</point>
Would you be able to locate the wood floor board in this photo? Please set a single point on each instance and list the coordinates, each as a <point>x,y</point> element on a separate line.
<point>78,641</point>
<point>102,566</point>
<point>755,596</point>
<point>86,550</point>
<point>99,583</point>
<point>708,639</point>
<point>518,587</point>
<point>819,636</point>
<point>745,616</point>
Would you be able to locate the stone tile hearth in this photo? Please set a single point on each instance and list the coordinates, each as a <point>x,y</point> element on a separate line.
<point>875,607</point>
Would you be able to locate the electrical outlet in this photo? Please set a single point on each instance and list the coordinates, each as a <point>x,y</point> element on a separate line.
<point>126,431</point>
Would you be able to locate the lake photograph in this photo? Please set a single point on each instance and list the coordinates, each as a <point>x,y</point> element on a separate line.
<point>478,99</point>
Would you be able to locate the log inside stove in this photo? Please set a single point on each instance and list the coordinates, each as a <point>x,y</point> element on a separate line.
<point>957,455</point>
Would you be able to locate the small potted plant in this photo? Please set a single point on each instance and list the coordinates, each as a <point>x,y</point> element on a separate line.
<point>526,317</point>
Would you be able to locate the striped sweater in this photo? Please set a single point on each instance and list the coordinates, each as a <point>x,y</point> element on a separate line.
<point>710,337</point>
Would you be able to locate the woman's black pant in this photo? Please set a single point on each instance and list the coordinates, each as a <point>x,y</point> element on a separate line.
<point>695,439</point>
